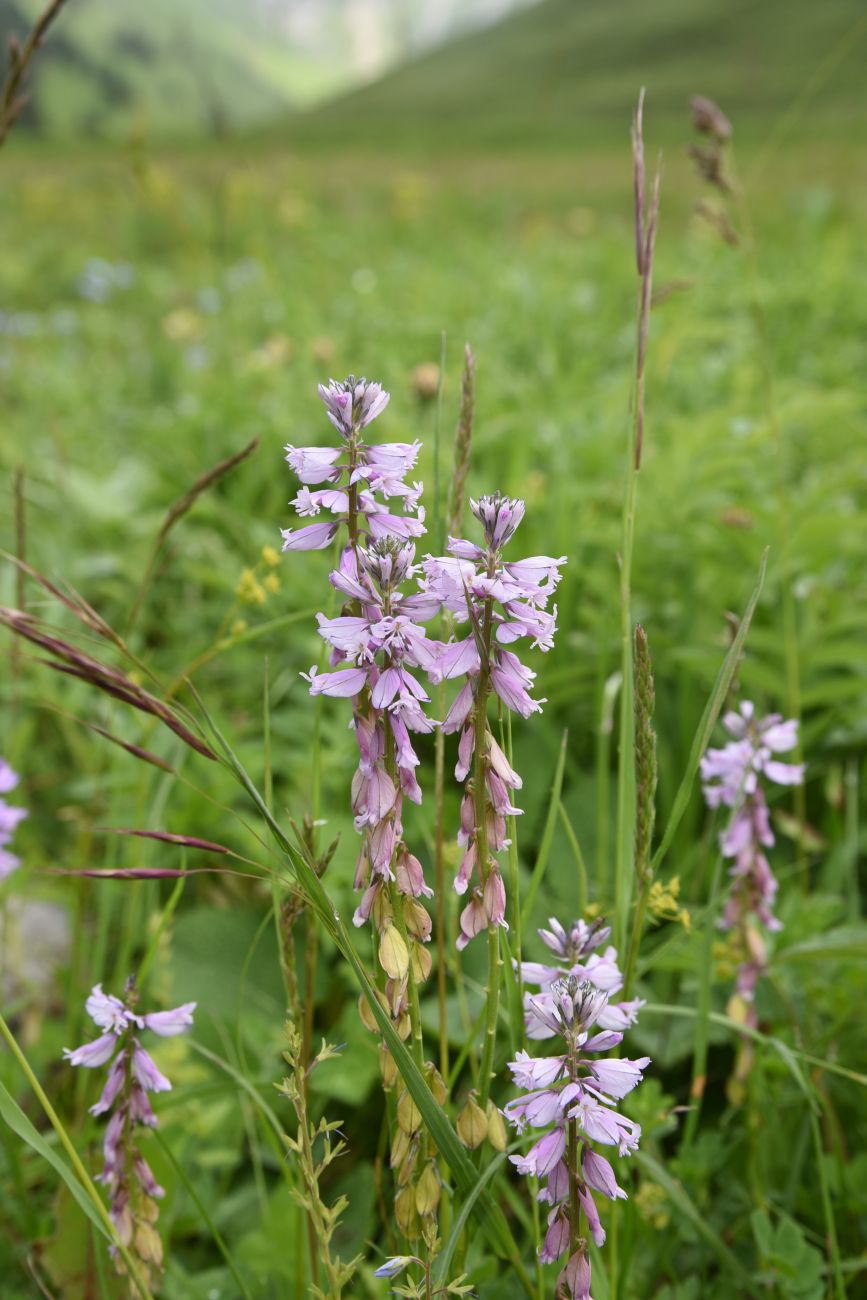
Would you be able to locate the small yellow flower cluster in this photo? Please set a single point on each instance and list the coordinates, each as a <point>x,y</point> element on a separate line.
<point>663,905</point>
<point>253,589</point>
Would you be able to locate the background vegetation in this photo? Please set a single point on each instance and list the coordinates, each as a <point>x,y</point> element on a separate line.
<point>162,304</point>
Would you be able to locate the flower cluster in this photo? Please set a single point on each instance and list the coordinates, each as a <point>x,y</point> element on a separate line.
<point>355,473</point>
<point>387,649</point>
<point>503,601</point>
<point>573,1096</point>
<point>132,1189</point>
<point>9,819</point>
<point>732,779</point>
<point>576,956</point>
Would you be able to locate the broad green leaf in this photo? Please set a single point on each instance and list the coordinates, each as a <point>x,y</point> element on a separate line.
<point>14,1116</point>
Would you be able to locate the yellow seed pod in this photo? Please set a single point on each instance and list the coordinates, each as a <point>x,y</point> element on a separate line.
<point>496,1128</point>
<point>408,1114</point>
<point>270,556</point>
<point>149,1210</point>
<point>407,1169</point>
<point>382,912</point>
<point>472,1124</point>
<point>400,1148</point>
<point>405,1212</point>
<point>417,920</point>
<point>434,1081</point>
<point>147,1244</point>
<point>365,1013</point>
<point>393,954</point>
<point>428,1192</point>
<point>403,1026</point>
<point>387,1068</point>
<point>422,962</point>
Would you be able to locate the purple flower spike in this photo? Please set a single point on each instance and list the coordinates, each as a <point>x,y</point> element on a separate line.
<point>573,1094</point>
<point>503,602</point>
<point>732,778</point>
<point>126,1175</point>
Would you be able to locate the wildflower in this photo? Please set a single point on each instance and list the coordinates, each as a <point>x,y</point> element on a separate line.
<point>575,951</point>
<point>732,778</point>
<point>503,601</point>
<point>132,1189</point>
<point>356,474</point>
<point>572,1096</point>
<point>10,816</point>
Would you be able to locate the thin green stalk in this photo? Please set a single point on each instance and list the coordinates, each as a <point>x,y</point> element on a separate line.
<point>702,1024</point>
<point>440,884</point>
<point>514,878</point>
<point>492,991</point>
<point>83,1176</point>
<point>579,859</point>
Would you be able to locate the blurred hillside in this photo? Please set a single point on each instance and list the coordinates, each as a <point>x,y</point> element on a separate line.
<point>569,70</point>
<point>166,66</point>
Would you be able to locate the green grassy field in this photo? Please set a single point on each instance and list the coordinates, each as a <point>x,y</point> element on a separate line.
<point>161,309</point>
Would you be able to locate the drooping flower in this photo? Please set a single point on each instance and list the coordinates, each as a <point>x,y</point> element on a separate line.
<point>10,817</point>
<point>502,601</point>
<point>573,1096</point>
<point>132,1189</point>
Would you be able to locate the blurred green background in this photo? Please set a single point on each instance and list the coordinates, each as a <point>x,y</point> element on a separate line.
<point>208,209</point>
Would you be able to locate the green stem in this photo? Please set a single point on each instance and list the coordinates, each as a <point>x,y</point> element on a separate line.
<point>702,1024</point>
<point>83,1176</point>
<point>440,884</point>
<point>492,991</point>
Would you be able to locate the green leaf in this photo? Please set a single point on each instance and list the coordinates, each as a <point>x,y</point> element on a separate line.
<point>683,1202</point>
<point>14,1116</point>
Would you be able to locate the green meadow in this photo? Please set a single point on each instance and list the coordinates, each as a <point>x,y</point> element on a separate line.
<point>163,305</point>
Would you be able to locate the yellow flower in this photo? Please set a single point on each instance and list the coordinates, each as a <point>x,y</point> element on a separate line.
<point>663,905</point>
<point>271,556</point>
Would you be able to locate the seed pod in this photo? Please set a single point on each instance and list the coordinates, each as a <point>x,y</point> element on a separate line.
<point>148,1245</point>
<point>428,1192</point>
<point>366,1015</point>
<point>408,1114</point>
<point>403,1026</point>
<point>400,1148</point>
<point>435,1082</point>
<point>393,954</point>
<point>405,1212</point>
<point>496,1128</point>
<point>472,1124</point>
<point>417,920</point>
<point>407,1169</point>
<point>382,910</point>
<point>422,962</point>
<point>387,1068</point>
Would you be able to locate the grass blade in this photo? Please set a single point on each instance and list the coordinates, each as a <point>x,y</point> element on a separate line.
<point>708,719</point>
